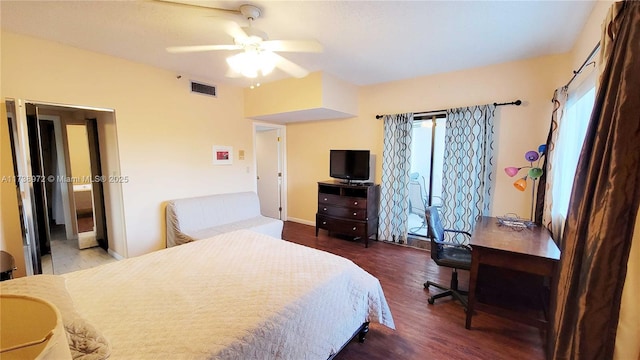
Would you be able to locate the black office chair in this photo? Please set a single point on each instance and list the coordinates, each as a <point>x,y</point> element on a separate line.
<point>455,254</point>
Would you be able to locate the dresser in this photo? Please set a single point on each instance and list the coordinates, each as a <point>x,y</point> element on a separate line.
<point>348,209</point>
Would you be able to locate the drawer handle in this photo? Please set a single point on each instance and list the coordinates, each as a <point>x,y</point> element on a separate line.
<point>325,199</point>
<point>324,223</point>
<point>355,214</point>
<point>354,228</point>
<point>355,203</point>
<point>325,209</point>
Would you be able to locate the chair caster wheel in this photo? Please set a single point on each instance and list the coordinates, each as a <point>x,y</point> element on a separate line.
<point>431,301</point>
<point>426,285</point>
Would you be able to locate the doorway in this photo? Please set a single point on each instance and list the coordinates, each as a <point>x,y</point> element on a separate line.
<point>61,201</point>
<point>269,154</point>
<point>425,183</point>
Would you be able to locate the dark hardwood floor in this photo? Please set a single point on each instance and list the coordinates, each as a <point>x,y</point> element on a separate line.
<point>423,331</point>
<point>85,222</point>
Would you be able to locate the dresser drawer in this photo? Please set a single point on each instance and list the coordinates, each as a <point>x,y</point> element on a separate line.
<point>346,227</point>
<point>343,212</point>
<point>343,201</point>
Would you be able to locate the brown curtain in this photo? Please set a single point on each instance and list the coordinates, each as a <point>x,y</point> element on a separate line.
<point>603,207</point>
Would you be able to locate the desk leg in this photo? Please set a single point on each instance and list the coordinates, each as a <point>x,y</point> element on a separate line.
<point>473,277</point>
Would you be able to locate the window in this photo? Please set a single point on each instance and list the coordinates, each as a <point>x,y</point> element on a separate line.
<point>571,132</point>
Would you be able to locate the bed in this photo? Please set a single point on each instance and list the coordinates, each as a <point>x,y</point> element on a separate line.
<point>239,295</point>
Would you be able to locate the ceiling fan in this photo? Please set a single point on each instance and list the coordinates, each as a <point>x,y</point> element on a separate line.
<point>258,53</point>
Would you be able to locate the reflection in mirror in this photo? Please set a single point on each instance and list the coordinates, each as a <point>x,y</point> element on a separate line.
<point>82,185</point>
<point>77,247</point>
<point>68,234</point>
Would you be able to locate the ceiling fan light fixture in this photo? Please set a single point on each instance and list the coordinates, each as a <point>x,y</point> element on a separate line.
<point>259,56</point>
<point>251,62</point>
<point>248,41</point>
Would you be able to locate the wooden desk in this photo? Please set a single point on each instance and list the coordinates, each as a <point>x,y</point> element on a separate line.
<point>529,250</point>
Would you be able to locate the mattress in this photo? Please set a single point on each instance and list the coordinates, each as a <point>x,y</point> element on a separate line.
<point>239,295</point>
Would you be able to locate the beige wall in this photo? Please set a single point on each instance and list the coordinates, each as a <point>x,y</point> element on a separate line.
<point>590,34</point>
<point>165,134</point>
<point>518,128</point>
<point>304,93</point>
<point>627,344</point>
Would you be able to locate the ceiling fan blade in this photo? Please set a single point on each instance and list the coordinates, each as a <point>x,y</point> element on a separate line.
<point>198,48</point>
<point>232,29</point>
<point>290,67</point>
<point>232,74</point>
<point>195,6</point>
<point>311,46</point>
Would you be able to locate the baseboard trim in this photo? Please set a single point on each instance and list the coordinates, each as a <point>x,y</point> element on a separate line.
<point>115,255</point>
<point>301,221</point>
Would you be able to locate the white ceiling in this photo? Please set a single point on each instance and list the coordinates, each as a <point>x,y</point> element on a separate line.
<point>365,42</point>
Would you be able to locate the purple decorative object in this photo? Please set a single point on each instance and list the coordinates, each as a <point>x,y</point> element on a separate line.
<point>531,156</point>
<point>534,172</point>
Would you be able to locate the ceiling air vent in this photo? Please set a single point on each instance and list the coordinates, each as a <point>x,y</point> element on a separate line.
<point>203,89</point>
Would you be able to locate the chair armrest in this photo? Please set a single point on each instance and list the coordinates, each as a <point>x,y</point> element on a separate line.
<point>448,243</point>
<point>458,232</point>
<point>452,244</point>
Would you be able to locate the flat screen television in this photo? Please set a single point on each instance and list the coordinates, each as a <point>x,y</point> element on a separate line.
<point>349,164</point>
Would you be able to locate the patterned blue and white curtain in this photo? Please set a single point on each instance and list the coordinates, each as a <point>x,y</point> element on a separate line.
<point>396,164</point>
<point>467,178</point>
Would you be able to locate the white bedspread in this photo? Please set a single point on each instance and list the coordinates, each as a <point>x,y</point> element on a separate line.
<point>240,295</point>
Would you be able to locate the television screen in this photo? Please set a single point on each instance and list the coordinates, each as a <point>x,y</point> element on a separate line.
<point>349,164</point>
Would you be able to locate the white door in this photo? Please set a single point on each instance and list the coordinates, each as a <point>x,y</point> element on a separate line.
<point>268,171</point>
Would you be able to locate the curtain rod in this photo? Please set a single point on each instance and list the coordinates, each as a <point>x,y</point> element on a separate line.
<point>516,103</point>
<point>585,63</point>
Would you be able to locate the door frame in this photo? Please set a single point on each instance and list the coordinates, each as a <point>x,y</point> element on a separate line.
<point>23,165</point>
<point>282,154</point>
